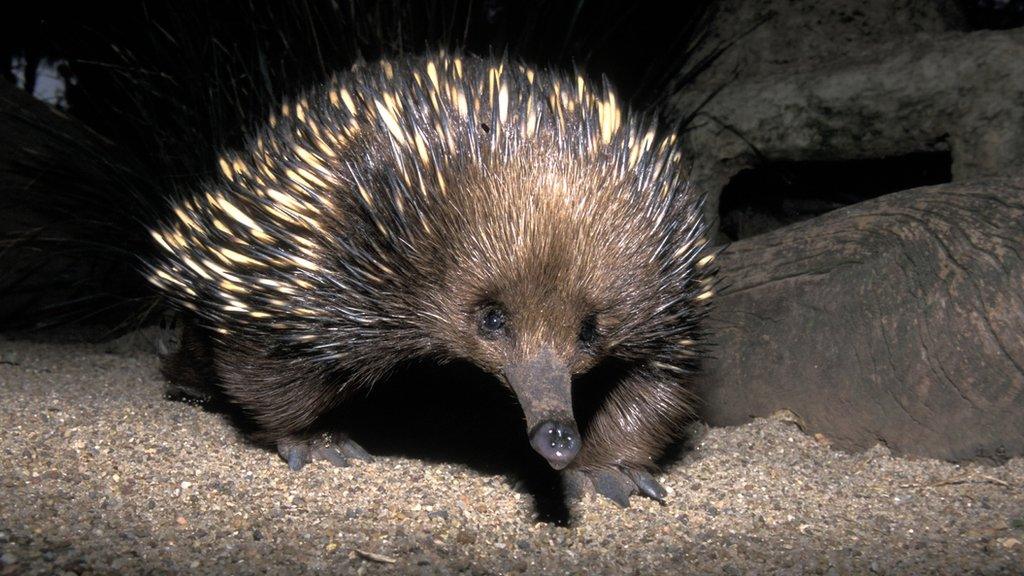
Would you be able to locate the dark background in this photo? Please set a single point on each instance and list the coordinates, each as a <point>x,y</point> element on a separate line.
<point>162,86</point>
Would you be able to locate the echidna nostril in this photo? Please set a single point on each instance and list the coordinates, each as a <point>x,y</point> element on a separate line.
<point>557,442</point>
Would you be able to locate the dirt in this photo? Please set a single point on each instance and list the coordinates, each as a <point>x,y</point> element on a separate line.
<point>101,475</point>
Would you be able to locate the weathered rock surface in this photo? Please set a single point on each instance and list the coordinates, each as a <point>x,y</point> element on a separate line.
<point>842,82</point>
<point>899,320</point>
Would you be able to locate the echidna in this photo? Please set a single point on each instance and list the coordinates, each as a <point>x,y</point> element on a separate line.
<point>448,207</point>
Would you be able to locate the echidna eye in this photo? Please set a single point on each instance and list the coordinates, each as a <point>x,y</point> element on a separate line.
<point>588,331</point>
<point>492,321</point>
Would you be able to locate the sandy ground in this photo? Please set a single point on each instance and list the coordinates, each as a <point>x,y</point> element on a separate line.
<point>100,475</point>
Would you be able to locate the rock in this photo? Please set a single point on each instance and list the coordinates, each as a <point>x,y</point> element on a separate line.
<point>897,320</point>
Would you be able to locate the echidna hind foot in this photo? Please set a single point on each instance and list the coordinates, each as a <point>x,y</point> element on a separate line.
<point>186,362</point>
<point>189,367</point>
<point>334,447</point>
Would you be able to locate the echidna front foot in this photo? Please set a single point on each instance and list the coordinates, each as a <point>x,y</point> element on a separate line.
<point>334,447</point>
<point>616,483</point>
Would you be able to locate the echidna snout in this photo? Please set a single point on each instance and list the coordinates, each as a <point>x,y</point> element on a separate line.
<point>543,386</point>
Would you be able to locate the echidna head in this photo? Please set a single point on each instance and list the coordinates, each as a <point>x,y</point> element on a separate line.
<point>552,266</point>
<point>535,326</point>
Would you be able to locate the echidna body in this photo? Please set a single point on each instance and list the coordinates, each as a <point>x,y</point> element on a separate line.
<point>447,207</point>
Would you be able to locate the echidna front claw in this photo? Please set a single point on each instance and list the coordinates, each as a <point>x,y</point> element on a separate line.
<point>646,485</point>
<point>617,484</point>
<point>335,448</point>
<point>295,453</point>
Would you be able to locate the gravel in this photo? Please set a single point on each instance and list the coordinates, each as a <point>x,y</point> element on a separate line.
<point>101,475</point>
